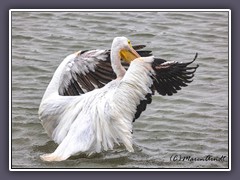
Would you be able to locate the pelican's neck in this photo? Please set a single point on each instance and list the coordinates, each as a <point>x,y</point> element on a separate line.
<point>116,62</point>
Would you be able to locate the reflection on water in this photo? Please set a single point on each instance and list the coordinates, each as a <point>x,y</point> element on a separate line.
<point>193,122</point>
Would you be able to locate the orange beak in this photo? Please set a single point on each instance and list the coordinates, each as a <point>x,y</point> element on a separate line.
<point>129,55</point>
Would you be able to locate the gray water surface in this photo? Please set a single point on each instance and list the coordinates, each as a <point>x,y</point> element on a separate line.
<point>193,122</point>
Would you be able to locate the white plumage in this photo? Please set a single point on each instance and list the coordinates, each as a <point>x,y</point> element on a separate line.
<point>96,120</point>
<point>90,104</point>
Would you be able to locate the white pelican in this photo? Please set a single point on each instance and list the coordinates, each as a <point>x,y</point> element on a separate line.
<point>92,99</point>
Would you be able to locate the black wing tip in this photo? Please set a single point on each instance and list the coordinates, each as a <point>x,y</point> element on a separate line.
<point>82,52</point>
<point>143,53</point>
<point>180,75</point>
<point>195,57</point>
<point>138,47</point>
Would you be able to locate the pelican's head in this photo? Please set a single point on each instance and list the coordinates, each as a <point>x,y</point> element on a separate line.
<point>124,48</point>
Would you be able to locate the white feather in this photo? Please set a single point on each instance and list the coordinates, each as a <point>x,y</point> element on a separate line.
<point>94,121</point>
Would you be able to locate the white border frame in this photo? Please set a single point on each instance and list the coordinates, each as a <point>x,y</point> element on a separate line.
<point>117,10</point>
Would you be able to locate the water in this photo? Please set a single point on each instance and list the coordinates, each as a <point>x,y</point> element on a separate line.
<point>193,122</point>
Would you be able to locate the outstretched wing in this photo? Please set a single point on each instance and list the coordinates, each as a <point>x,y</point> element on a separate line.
<point>170,76</point>
<point>90,69</point>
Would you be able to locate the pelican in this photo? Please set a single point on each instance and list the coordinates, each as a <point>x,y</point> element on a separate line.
<point>95,95</point>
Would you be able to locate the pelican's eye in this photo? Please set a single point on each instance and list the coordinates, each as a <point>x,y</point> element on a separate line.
<point>129,42</point>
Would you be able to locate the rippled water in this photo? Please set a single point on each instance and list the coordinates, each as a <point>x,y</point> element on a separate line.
<point>193,122</point>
